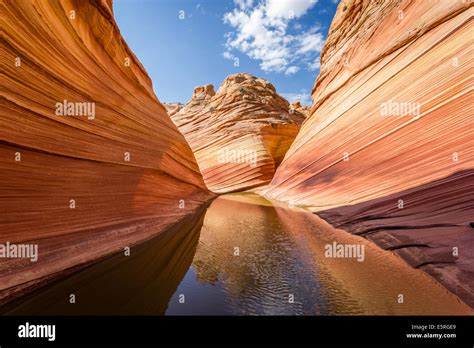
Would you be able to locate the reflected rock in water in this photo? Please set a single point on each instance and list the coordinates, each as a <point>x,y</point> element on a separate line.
<point>245,250</point>
<point>255,258</point>
<point>139,284</point>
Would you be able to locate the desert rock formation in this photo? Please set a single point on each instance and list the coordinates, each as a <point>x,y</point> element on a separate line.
<point>298,108</point>
<point>89,160</point>
<point>390,134</point>
<point>173,108</point>
<point>240,134</point>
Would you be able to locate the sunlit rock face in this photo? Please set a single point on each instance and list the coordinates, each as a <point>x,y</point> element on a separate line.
<point>238,134</point>
<point>89,160</point>
<point>390,107</point>
<point>390,134</point>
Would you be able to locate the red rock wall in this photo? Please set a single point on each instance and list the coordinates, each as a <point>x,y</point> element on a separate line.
<point>355,158</point>
<point>239,134</point>
<point>371,57</point>
<point>127,169</point>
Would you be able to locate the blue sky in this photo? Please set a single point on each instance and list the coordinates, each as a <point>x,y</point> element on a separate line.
<point>187,43</point>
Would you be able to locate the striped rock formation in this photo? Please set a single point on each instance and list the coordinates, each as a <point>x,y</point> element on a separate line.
<point>390,135</point>
<point>89,160</point>
<point>297,107</point>
<point>240,134</point>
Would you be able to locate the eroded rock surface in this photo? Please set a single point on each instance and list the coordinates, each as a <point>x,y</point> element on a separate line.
<point>238,134</point>
<point>173,108</point>
<point>89,160</point>
<point>296,107</point>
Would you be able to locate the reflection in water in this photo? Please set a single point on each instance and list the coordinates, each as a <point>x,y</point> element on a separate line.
<point>281,254</point>
<point>252,258</point>
<point>141,283</point>
<point>262,278</point>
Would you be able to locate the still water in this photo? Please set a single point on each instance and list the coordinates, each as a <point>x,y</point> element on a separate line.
<point>245,256</point>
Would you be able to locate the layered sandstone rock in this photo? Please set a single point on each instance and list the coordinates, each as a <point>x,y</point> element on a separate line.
<point>240,134</point>
<point>173,108</point>
<point>296,107</point>
<point>89,160</point>
<point>392,121</point>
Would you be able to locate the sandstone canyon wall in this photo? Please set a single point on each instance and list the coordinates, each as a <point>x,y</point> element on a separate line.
<point>388,148</point>
<point>240,134</point>
<point>81,186</point>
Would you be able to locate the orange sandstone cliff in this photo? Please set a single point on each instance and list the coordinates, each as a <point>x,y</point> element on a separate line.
<point>388,148</point>
<point>90,162</point>
<point>240,134</point>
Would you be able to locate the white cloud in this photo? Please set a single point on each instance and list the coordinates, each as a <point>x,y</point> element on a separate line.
<point>314,65</point>
<point>311,41</point>
<point>288,8</point>
<point>228,55</point>
<point>303,97</point>
<point>262,33</point>
<point>243,4</point>
<point>291,70</point>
